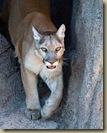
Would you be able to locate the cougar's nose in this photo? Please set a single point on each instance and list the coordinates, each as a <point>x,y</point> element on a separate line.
<point>52,62</point>
<point>51,59</point>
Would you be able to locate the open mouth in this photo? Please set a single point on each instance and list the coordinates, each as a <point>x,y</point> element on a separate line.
<point>51,67</point>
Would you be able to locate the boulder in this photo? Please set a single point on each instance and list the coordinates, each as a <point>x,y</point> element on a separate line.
<point>83,106</point>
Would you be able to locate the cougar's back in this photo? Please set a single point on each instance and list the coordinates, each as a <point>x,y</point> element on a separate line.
<point>26,13</point>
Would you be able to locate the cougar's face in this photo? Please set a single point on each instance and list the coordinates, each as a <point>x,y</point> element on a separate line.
<point>50,47</point>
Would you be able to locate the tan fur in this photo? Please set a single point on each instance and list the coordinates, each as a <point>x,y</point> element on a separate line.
<point>23,15</point>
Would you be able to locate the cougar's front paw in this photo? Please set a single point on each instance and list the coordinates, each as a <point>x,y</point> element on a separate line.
<point>45,115</point>
<point>32,114</point>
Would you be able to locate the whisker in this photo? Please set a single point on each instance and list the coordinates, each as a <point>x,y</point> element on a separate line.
<point>64,63</point>
<point>66,58</point>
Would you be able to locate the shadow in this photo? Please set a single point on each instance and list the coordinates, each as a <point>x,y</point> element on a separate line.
<point>3,28</point>
<point>1,5</point>
<point>61,13</point>
<point>4,31</point>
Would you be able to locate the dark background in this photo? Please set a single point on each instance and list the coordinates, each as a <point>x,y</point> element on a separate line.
<point>61,13</point>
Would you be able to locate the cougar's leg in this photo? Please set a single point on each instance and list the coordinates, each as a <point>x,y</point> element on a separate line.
<point>32,99</point>
<point>56,87</point>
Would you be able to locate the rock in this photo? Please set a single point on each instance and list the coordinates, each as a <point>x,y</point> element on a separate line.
<point>84,101</point>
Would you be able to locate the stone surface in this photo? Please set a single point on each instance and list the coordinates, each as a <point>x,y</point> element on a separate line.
<point>82,105</point>
<point>84,101</point>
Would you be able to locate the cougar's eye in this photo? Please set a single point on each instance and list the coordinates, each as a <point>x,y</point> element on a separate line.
<point>57,49</point>
<point>44,49</point>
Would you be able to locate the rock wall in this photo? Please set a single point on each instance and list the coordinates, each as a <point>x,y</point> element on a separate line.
<point>82,105</point>
<point>84,101</point>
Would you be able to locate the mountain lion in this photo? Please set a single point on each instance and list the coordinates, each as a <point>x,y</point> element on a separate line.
<point>39,47</point>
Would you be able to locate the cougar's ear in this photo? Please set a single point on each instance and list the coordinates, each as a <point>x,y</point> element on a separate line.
<point>36,35</point>
<point>61,32</point>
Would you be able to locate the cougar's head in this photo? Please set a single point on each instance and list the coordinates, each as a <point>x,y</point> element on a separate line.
<point>50,48</point>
